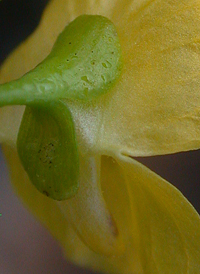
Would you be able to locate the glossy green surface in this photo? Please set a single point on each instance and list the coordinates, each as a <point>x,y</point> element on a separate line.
<point>48,151</point>
<point>84,63</point>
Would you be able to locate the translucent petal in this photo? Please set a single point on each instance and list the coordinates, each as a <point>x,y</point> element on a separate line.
<point>56,220</point>
<point>44,208</point>
<point>168,226</point>
<point>160,229</point>
<point>154,108</point>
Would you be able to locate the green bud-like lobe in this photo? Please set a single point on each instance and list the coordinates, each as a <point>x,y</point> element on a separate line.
<point>84,63</point>
<point>48,151</point>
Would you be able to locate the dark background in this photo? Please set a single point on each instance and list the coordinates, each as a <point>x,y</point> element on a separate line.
<point>25,246</point>
<point>18,18</point>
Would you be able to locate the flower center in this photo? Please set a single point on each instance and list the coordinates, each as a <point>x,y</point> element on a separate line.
<point>84,63</point>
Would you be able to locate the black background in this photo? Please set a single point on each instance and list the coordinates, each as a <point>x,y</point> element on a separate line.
<point>18,18</point>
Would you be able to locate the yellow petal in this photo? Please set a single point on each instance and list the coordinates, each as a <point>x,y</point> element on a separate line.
<point>10,119</point>
<point>56,220</point>
<point>42,207</point>
<point>160,229</point>
<point>88,213</point>
<point>169,227</point>
<point>154,108</point>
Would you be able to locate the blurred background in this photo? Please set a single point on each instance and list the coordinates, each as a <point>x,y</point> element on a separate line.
<point>25,246</point>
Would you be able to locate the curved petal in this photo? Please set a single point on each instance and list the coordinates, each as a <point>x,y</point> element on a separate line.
<point>56,220</point>
<point>168,226</point>
<point>10,119</point>
<point>160,229</point>
<point>42,207</point>
<point>154,108</point>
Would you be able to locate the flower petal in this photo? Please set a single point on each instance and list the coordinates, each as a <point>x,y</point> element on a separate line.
<point>49,213</point>
<point>160,229</point>
<point>41,206</point>
<point>168,226</point>
<point>154,108</point>
<point>10,119</point>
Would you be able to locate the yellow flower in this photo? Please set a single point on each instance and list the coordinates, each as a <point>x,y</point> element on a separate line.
<point>124,218</point>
